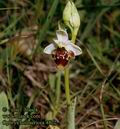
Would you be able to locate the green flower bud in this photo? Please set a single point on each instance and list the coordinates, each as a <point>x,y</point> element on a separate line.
<point>71,16</point>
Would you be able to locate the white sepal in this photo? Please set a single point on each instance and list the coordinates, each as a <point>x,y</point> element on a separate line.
<point>62,36</point>
<point>74,48</point>
<point>49,48</point>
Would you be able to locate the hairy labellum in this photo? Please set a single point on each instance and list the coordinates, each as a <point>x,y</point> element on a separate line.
<point>61,56</point>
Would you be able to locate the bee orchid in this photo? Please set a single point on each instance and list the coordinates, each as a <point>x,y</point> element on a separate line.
<point>62,49</point>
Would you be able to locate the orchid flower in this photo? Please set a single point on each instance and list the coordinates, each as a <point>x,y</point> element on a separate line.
<point>62,49</point>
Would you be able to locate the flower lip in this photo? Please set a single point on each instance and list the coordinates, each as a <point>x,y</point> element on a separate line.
<point>61,56</point>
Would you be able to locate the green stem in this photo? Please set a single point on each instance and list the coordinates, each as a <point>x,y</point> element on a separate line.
<point>67,89</point>
<point>74,34</point>
<point>71,105</point>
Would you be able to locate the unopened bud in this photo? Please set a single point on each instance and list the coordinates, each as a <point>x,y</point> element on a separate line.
<point>71,16</point>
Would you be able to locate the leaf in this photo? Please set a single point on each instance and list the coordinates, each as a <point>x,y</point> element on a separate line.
<point>71,115</point>
<point>117,126</point>
<point>3,104</point>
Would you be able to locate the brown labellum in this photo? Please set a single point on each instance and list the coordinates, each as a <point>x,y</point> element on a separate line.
<point>61,57</point>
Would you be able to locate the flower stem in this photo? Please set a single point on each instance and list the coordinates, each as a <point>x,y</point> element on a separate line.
<point>67,89</point>
<point>74,34</point>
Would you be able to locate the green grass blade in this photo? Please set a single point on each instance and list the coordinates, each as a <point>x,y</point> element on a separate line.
<point>42,33</point>
<point>94,17</point>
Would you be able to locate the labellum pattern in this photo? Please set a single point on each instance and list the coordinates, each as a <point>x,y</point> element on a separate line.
<point>61,56</point>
